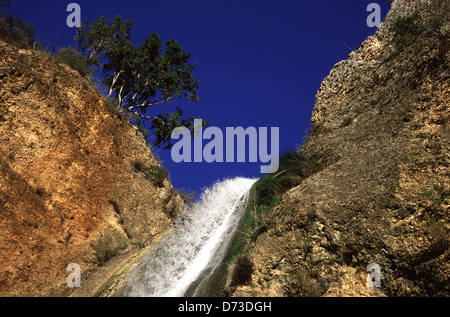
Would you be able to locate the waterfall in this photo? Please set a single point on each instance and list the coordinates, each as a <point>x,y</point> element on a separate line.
<point>195,244</point>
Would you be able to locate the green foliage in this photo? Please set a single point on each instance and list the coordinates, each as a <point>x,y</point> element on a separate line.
<point>407,25</point>
<point>308,247</point>
<point>295,163</point>
<point>265,191</point>
<point>74,59</point>
<point>141,76</point>
<point>294,167</point>
<point>438,198</point>
<point>153,173</point>
<point>156,174</point>
<point>265,195</point>
<point>406,29</point>
<point>101,36</point>
<point>258,216</point>
<point>138,166</point>
<point>164,124</point>
<point>107,246</point>
<point>262,214</point>
<point>14,31</point>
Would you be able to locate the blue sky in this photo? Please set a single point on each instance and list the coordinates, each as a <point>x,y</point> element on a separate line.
<point>259,63</point>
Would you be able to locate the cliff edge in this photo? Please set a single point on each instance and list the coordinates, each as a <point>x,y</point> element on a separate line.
<point>78,183</point>
<point>380,132</point>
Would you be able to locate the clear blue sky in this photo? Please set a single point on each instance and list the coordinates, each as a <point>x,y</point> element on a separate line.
<point>259,63</point>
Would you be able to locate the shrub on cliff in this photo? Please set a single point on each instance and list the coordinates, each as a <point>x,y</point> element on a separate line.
<point>74,59</point>
<point>265,191</point>
<point>107,246</point>
<point>266,194</point>
<point>14,31</point>
<point>295,163</point>
<point>156,174</point>
<point>438,200</point>
<point>407,25</point>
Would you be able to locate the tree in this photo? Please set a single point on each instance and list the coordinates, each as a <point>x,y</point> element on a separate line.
<point>140,77</point>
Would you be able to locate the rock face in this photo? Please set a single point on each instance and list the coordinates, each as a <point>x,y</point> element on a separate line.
<point>380,131</point>
<point>74,184</point>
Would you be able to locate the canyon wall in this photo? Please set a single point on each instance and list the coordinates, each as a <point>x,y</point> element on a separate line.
<point>78,182</point>
<point>380,132</point>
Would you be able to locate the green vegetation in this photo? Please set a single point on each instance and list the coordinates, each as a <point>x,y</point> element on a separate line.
<point>137,77</point>
<point>14,31</point>
<point>308,247</point>
<point>438,199</point>
<point>265,192</point>
<point>140,77</point>
<point>74,59</point>
<point>107,246</point>
<point>153,173</point>
<point>156,174</point>
<point>406,29</point>
<point>295,163</point>
<point>261,214</point>
<point>407,25</point>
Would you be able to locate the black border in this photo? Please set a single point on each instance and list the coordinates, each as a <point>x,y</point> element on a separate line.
<point>167,306</point>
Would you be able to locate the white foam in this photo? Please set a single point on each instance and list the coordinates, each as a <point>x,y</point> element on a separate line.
<point>178,259</point>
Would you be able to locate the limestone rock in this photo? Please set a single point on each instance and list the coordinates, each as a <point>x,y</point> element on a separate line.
<point>67,176</point>
<point>380,130</point>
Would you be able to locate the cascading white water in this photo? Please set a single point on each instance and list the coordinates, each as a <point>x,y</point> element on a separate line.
<point>195,243</point>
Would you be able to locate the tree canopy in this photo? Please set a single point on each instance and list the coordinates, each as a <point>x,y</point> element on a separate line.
<point>140,77</point>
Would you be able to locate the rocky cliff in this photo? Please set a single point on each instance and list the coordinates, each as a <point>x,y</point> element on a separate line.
<point>78,183</point>
<point>380,132</point>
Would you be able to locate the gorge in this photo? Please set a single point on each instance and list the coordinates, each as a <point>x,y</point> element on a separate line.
<point>370,185</point>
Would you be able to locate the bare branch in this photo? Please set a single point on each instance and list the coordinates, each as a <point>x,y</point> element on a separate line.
<point>115,78</point>
<point>148,118</point>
